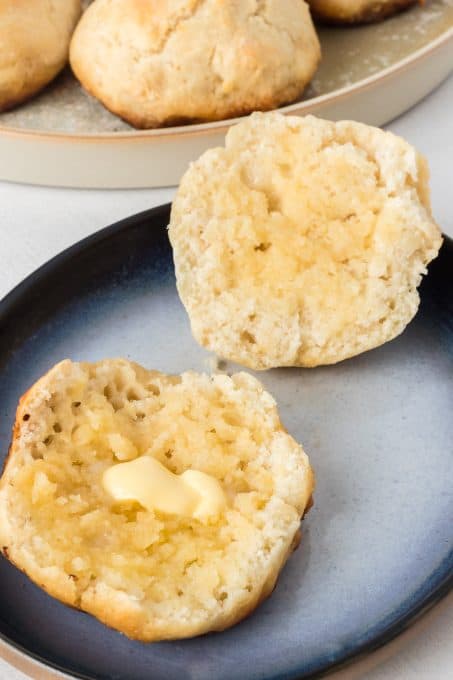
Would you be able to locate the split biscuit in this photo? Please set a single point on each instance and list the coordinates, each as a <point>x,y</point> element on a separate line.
<point>154,571</point>
<point>302,241</point>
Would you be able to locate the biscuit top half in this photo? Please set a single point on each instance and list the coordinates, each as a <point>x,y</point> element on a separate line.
<point>302,241</point>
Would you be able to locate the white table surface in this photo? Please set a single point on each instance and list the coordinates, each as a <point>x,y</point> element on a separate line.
<point>38,222</point>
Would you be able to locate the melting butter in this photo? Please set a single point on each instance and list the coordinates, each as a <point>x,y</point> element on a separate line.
<point>148,482</point>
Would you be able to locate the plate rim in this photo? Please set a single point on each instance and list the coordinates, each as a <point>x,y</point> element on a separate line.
<point>202,129</point>
<point>14,653</point>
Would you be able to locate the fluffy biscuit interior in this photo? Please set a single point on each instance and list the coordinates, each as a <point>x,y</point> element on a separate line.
<point>302,241</point>
<point>180,574</point>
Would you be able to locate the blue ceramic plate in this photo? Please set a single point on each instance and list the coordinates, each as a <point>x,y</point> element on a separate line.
<point>377,546</point>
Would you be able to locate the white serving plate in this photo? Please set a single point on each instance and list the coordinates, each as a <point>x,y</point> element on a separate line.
<point>369,73</point>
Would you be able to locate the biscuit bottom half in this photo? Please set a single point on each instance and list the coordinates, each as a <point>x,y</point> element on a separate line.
<point>149,574</point>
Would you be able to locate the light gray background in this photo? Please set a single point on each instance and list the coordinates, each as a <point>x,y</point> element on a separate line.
<point>38,222</point>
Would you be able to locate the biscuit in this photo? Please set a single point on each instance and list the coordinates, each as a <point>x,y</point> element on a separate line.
<point>356,11</point>
<point>302,241</point>
<point>152,575</point>
<point>159,63</point>
<point>34,45</point>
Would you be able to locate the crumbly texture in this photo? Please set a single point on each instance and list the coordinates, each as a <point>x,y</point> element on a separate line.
<point>303,241</point>
<point>34,45</point>
<point>159,63</point>
<point>152,576</point>
<point>357,11</point>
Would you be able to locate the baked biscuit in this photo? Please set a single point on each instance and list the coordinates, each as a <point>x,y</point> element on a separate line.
<point>34,45</point>
<point>159,63</point>
<point>162,571</point>
<point>302,241</point>
<point>356,11</point>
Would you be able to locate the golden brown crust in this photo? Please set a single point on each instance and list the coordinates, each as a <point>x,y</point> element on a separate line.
<point>375,11</point>
<point>21,411</point>
<point>35,45</point>
<point>60,589</point>
<point>148,123</point>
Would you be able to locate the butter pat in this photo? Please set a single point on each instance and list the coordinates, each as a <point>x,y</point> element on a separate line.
<point>148,482</point>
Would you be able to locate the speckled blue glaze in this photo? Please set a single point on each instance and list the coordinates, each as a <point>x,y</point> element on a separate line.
<point>376,547</point>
